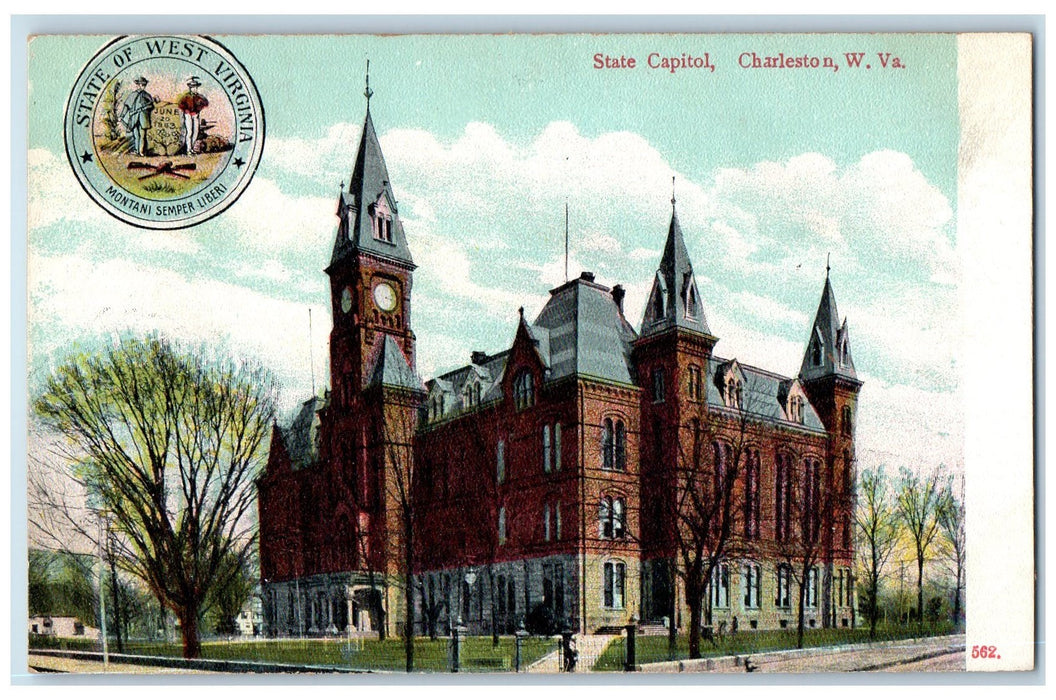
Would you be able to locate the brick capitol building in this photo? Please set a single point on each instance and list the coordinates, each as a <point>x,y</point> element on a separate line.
<point>546,481</point>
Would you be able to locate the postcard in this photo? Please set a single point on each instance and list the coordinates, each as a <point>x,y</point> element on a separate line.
<point>528,354</point>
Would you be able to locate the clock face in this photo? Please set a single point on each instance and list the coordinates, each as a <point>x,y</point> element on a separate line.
<point>385,296</point>
<point>346,300</point>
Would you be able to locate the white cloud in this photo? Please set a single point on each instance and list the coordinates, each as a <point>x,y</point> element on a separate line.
<point>80,301</point>
<point>485,221</point>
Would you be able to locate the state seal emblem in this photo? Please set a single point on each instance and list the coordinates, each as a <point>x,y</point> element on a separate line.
<point>164,132</point>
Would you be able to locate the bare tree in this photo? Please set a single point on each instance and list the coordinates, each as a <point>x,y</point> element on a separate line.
<point>951,524</point>
<point>877,523</point>
<point>168,444</point>
<point>705,508</point>
<point>919,499</point>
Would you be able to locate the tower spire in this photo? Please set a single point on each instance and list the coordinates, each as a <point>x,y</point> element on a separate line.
<point>672,193</point>
<point>368,93</point>
<point>827,265</point>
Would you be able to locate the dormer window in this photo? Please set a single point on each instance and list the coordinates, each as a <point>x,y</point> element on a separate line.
<point>734,393</point>
<point>471,395</point>
<point>523,390</point>
<point>381,220</point>
<point>436,407</point>
<point>795,408</point>
<point>816,349</point>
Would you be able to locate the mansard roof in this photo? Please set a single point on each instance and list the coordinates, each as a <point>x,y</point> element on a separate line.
<point>368,183</point>
<point>587,333</point>
<point>764,394</point>
<point>579,332</point>
<point>391,368</point>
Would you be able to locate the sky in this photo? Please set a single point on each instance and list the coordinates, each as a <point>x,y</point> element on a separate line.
<point>486,138</point>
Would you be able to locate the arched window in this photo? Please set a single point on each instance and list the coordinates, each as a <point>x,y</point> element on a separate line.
<point>613,573</point>
<point>546,449</point>
<point>500,461</point>
<point>613,445</point>
<point>524,389</point>
<point>658,385</point>
<point>695,384</point>
<point>720,586</point>
<point>557,447</point>
<point>612,518</point>
<point>784,581</point>
<point>782,496</point>
<point>608,445</point>
<point>751,494</point>
<point>815,356</point>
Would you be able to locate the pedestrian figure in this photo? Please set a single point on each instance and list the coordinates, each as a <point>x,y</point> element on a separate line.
<point>191,104</point>
<point>135,115</point>
<point>570,654</point>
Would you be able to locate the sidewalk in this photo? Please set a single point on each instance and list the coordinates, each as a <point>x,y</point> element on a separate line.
<point>589,646</point>
<point>881,656</point>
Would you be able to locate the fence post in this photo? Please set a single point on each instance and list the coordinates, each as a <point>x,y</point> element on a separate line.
<point>518,640</point>
<point>632,629</point>
<point>455,644</point>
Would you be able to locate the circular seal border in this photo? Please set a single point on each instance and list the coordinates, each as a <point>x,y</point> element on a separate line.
<point>80,146</point>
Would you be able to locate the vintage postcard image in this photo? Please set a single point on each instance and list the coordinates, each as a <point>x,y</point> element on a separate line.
<point>529,354</point>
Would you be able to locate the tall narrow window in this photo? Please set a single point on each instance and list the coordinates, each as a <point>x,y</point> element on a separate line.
<point>502,525</point>
<point>658,385</point>
<point>557,447</point>
<point>783,496</point>
<point>546,448</point>
<point>612,518</point>
<point>608,444</point>
<point>784,575</point>
<point>812,588</point>
<point>614,573</point>
<point>848,427</point>
<point>752,585</point>
<point>620,458</point>
<point>500,461</point>
<point>751,494</point>
<point>695,385</point>
<point>605,518</point>
<point>524,390</point>
<point>557,520</point>
<point>721,453</point>
<point>720,586</point>
<point>546,522</point>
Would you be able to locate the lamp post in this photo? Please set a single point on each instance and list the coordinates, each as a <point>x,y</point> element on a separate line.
<point>95,504</point>
<point>632,629</point>
<point>519,637</point>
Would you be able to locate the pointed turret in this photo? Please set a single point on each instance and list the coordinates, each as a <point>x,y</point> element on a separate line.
<point>828,349</point>
<point>370,221</point>
<point>674,300</point>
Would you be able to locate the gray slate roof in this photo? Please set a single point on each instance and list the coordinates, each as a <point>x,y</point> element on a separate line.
<point>674,300</point>
<point>302,437</point>
<point>588,336</point>
<point>391,368</point>
<point>763,394</point>
<point>370,178</point>
<point>827,331</point>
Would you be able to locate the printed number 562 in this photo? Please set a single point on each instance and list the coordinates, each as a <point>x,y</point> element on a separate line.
<point>981,651</point>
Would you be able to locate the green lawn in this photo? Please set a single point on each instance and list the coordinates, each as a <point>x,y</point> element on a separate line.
<point>652,649</point>
<point>478,654</point>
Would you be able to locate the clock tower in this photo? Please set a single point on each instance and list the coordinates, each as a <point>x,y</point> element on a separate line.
<point>370,274</point>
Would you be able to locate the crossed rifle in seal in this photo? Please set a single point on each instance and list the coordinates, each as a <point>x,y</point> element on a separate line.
<point>166,168</point>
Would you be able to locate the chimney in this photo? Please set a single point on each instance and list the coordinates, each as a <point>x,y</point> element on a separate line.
<point>477,357</point>
<point>617,296</point>
<point>586,276</point>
